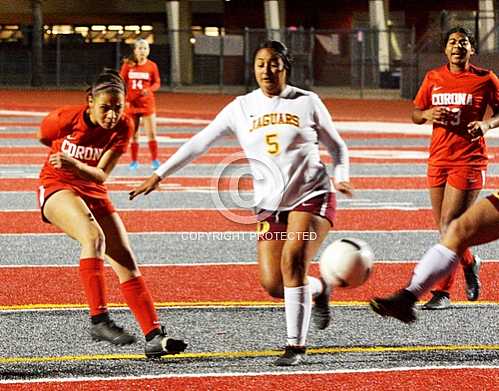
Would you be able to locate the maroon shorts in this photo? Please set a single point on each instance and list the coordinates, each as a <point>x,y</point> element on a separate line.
<point>270,227</point>
<point>98,206</point>
<point>494,198</point>
<point>462,178</point>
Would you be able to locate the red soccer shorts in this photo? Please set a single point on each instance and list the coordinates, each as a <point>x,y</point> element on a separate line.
<point>274,226</point>
<point>462,178</point>
<point>98,206</point>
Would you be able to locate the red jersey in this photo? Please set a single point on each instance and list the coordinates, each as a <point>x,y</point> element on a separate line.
<point>71,132</point>
<point>470,92</point>
<point>142,81</point>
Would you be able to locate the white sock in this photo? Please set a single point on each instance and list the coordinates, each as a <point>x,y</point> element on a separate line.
<point>298,307</point>
<point>438,262</point>
<point>316,286</point>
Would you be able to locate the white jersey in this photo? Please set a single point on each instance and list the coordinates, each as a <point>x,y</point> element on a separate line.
<point>280,138</point>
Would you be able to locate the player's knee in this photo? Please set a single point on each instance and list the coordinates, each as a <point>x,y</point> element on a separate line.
<point>293,263</point>
<point>94,238</point>
<point>458,233</point>
<point>444,224</point>
<point>273,287</point>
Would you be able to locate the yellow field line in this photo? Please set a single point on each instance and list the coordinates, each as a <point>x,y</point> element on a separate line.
<point>249,354</point>
<point>214,304</point>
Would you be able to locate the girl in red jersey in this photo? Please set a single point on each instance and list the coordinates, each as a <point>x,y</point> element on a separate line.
<point>142,78</point>
<point>455,97</point>
<point>85,144</point>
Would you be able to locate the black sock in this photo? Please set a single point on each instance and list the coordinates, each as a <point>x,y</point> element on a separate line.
<point>104,317</point>
<point>151,334</point>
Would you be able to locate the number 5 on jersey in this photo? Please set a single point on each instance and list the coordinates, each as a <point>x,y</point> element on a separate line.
<point>273,147</point>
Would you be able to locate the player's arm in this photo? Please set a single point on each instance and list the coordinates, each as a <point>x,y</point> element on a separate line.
<point>438,114</point>
<point>156,80</point>
<point>124,70</point>
<point>50,129</point>
<point>98,174</point>
<point>189,151</point>
<point>424,110</point>
<point>477,129</point>
<point>336,146</point>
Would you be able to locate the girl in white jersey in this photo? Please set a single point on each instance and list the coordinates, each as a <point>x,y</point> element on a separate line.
<point>279,128</point>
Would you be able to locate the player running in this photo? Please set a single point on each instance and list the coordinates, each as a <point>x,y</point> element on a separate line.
<point>279,128</point>
<point>85,144</point>
<point>455,97</point>
<point>478,225</point>
<point>142,78</point>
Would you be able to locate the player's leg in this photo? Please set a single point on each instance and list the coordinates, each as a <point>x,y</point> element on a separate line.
<point>456,201</point>
<point>440,294</point>
<point>296,255</point>
<point>269,263</point>
<point>478,225</point>
<point>134,142</point>
<point>320,290</point>
<point>470,180</point>
<point>150,127</point>
<point>70,213</point>
<point>134,288</point>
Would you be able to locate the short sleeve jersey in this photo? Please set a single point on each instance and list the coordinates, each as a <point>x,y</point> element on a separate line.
<point>280,138</point>
<point>72,133</point>
<point>470,92</point>
<point>140,78</point>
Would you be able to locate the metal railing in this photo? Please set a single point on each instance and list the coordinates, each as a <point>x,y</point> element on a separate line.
<point>357,59</point>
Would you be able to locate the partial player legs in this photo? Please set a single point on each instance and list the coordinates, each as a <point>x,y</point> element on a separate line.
<point>149,122</point>
<point>135,290</point>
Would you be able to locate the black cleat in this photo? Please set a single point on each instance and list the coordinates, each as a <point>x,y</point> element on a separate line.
<point>321,313</point>
<point>439,301</point>
<point>161,345</point>
<point>472,279</point>
<point>110,332</point>
<point>399,306</point>
<point>293,355</point>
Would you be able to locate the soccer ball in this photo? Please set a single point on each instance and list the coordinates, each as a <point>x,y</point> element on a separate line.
<point>346,263</point>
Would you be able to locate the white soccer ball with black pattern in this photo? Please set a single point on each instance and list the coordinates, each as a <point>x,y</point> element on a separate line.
<point>346,263</point>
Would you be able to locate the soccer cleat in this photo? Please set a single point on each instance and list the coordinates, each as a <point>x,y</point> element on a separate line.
<point>155,164</point>
<point>321,313</point>
<point>161,345</point>
<point>472,279</point>
<point>439,301</point>
<point>133,165</point>
<point>110,332</point>
<point>293,355</point>
<point>399,306</point>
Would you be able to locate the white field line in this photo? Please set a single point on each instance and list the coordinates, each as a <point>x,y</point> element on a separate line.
<point>194,264</point>
<point>226,232</point>
<point>350,126</point>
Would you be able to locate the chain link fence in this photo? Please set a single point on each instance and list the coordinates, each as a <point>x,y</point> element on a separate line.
<point>352,59</point>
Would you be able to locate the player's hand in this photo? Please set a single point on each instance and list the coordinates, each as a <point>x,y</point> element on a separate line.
<point>441,115</point>
<point>345,188</point>
<point>144,92</point>
<point>149,185</point>
<point>61,160</point>
<point>477,129</point>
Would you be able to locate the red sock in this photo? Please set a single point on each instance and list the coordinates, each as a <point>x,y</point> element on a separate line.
<point>140,302</point>
<point>92,278</point>
<point>153,148</point>
<point>467,259</point>
<point>134,149</point>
